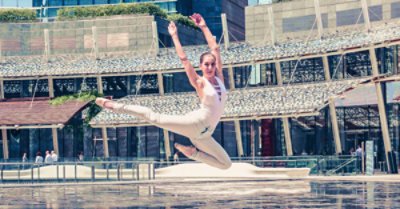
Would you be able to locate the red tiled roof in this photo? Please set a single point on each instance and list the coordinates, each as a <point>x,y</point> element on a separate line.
<point>20,112</point>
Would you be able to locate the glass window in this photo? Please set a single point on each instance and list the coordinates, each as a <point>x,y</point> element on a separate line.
<point>70,2</point>
<point>115,1</point>
<point>54,3</point>
<point>36,3</point>
<point>52,12</point>
<point>100,1</point>
<point>163,6</point>
<point>350,65</point>
<point>172,6</point>
<point>86,2</point>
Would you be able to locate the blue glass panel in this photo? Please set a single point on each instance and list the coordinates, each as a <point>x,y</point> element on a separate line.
<point>52,12</point>
<point>55,3</point>
<point>85,2</point>
<point>100,1</point>
<point>70,2</point>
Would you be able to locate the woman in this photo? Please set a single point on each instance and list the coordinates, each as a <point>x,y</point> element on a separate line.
<point>197,125</point>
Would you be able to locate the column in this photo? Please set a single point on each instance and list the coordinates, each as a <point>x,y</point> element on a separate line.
<point>51,88</point>
<point>319,19</point>
<point>288,139</point>
<point>167,145</point>
<point>364,7</point>
<point>1,89</point>
<point>335,126</point>
<point>231,78</point>
<point>285,121</point>
<point>155,37</point>
<point>271,25</point>
<point>326,68</point>
<point>381,107</point>
<point>5,143</point>
<point>46,44</point>
<point>99,85</point>
<point>94,41</point>
<point>55,140</point>
<point>105,142</point>
<point>238,133</point>
<point>225,30</point>
<point>332,110</point>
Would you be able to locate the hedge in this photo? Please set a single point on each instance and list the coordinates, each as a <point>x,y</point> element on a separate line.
<point>72,13</point>
<point>17,15</point>
<point>182,20</point>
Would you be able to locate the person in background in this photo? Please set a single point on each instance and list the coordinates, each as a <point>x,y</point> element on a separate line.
<point>54,156</point>
<point>24,160</point>
<point>176,158</point>
<point>48,159</point>
<point>80,156</point>
<point>39,158</point>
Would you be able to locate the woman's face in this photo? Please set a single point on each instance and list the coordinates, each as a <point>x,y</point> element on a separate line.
<point>208,66</point>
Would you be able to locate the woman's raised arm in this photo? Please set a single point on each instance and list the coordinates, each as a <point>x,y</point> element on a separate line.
<point>190,72</point>
<point>212,43</point>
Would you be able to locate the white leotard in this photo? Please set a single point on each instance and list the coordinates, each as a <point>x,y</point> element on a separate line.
<point>212,102</point>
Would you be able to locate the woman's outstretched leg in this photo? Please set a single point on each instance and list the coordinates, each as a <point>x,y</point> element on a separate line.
<point>181,124</point>
<point>208,151</point>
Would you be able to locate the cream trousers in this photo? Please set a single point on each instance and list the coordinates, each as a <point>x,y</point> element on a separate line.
<point>192,125</point>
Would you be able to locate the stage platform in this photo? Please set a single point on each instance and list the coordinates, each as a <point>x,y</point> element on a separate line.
<point>146,172</point>
<point>237,170</point>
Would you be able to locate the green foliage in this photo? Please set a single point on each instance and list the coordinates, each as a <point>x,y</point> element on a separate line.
<point>70,13</point>
<point>91,112</point>
<point>17,15</point>
<point>88,96</point>
<point>182,20</point>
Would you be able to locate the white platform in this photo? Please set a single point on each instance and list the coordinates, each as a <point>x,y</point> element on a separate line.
<point>238,170</point>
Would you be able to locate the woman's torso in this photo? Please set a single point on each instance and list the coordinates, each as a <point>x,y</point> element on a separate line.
<point>213,99</point>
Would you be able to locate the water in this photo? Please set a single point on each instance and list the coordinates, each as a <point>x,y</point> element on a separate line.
<point>237,194</point>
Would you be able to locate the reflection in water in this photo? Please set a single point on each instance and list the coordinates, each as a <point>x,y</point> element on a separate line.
<point>237,194</point>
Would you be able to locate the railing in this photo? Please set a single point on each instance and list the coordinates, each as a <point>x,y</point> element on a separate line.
<point>318,164</point>
<point>351,164</point>
<point>134,169</point>
<point>11,172</point>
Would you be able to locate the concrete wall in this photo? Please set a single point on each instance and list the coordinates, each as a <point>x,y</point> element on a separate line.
<point>128,33</point>
<point>295,19</point>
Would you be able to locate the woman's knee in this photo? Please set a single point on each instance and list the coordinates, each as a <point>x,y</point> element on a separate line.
<point>226,165</point>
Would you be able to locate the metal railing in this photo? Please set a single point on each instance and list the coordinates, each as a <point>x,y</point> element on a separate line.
<point>135,169</point>
<point>28,172</point>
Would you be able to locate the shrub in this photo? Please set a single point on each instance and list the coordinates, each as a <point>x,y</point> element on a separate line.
<point>17,15</point>
<point>71,13</point>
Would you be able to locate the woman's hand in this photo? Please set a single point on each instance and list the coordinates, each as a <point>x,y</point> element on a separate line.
<point>172,28</point>
<point>198,20</point>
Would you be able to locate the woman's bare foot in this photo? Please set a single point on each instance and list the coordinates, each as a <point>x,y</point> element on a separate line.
<point>186,150</point>
<point>105,103</point>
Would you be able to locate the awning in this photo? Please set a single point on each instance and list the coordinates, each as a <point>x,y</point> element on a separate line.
<point>24,113</point>
<point>248,103</point>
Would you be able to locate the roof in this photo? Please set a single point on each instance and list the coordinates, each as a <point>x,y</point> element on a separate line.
<point>260,102</point>
<point>238,54</point>
<point>22,112</point>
